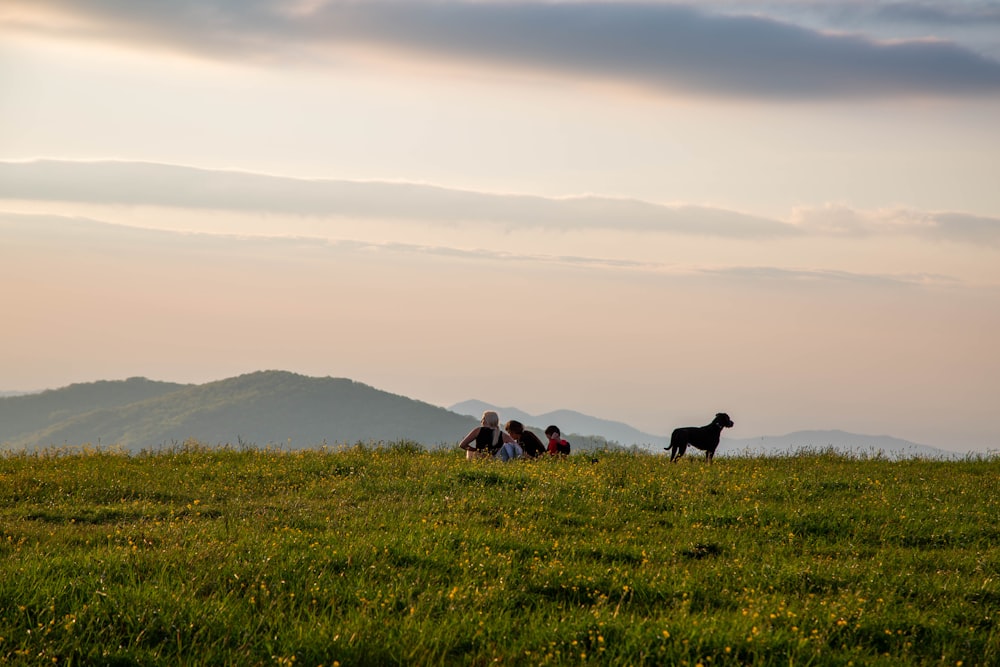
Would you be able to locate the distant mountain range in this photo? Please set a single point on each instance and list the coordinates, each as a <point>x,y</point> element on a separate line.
<point>569,421</point>
<point>264,408</point>
<point>14,393</point>
<point>284,409</point>
<point>840,441</point>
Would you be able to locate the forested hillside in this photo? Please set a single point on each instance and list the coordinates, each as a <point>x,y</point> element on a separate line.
<point>263,408</point>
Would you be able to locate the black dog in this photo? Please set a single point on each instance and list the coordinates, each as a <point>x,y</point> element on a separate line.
<point>705,438</point>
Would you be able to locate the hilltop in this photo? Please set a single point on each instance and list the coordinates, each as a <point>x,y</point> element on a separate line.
<point>262,408</point>
<point>296,411</point>
<point>21,415</point>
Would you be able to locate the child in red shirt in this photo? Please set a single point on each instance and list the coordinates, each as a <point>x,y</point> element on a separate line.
<point>557,446</point>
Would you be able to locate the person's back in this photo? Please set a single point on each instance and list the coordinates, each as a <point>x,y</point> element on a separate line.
<point>532,446</point>
<point>485,440</point>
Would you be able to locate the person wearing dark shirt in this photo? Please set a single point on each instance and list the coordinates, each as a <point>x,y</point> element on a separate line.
<point>486,440</point>
<point>529,442</point>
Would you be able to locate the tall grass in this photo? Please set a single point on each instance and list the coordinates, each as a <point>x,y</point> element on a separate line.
<point>375,556</point>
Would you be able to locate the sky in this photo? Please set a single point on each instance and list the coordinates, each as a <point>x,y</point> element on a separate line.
<point>646,211</point>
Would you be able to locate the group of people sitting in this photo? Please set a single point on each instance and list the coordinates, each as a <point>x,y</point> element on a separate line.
<point>513,442</point>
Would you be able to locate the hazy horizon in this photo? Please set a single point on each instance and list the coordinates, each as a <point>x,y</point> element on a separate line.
<point>645,211</point>
<point>574,423</point>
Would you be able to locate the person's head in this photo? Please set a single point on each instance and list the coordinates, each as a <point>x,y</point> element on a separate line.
<point>553,432</point>
<point>515,428</point>
<point>491,419</point>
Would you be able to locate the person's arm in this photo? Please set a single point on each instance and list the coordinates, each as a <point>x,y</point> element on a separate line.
<point>469,439</point>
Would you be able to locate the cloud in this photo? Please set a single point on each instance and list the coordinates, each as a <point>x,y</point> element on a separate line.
<point>786,276</point>
<point>139,183</point>
<point>151,184</point>
<point>942,226</point>
<point>79,234</point>
<point>867,13</point>
<point>86,233</point>
<point>667,47</point>
<point>974,229</point>
<point>970,24</point>
<point>928,14</point>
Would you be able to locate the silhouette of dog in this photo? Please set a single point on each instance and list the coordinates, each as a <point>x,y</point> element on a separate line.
<point>705,438</point>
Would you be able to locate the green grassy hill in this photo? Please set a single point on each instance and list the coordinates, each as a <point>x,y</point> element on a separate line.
<point>264,408</point>
<point>22,415</point>
<point>400,556</point>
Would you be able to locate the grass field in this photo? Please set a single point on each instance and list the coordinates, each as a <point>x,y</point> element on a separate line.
<point>383,556</point>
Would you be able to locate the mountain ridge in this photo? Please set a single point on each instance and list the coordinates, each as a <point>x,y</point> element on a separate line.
<point>261,408</point>
<point>810,440</point>
<point>267,408</point>
<point>21,414</point>
<point>843,441</point>
<point>568,421</point>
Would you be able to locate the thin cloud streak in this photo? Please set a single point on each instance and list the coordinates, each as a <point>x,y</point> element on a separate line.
<point>150,184</point>
<point>766,274</point>
<point>666,47</point>
<point>136,183</point>
<point>942,226</point>
<point>929,15</point>
<point>87,232</point>
<point>860,13</point>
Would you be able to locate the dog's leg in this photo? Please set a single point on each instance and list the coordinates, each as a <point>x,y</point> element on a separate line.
<point>678,443</point>
<point>681,448</point>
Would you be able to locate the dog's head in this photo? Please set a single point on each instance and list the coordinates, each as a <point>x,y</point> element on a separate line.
<point>722,420</point>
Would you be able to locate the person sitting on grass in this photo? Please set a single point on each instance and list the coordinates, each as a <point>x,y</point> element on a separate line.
<point>486,440</point>
<point>557,446</point>
<point>510,451</point>
<point>531,446</point>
